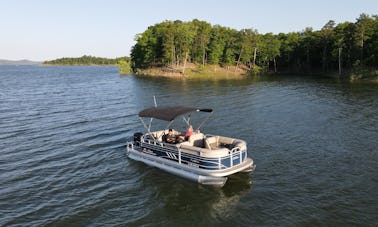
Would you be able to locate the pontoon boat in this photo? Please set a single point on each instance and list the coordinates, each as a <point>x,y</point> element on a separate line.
<point>207,159</point>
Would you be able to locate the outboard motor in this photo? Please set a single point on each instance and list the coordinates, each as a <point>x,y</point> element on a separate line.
<point>137,137</point>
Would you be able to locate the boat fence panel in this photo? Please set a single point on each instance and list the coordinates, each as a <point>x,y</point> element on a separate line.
<point>173,153</point>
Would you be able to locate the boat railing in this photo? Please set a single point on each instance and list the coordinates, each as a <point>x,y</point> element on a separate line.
<point>217,162</point>
<point>151,141</point>
<point>232,152</point>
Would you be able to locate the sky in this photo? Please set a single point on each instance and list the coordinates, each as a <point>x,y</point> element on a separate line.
<point>48,29</point>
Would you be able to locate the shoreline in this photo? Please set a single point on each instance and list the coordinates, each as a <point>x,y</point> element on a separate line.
<point>216,72</point>
<point>194,71</point>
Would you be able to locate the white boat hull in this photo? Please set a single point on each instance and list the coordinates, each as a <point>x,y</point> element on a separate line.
<point>203,176</point>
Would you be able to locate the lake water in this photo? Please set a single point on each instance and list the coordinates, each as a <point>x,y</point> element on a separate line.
<point>63,132</point>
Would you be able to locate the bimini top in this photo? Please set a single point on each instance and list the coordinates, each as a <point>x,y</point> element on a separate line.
<point>169,113</point>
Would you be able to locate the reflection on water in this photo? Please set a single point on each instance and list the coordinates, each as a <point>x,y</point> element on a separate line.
<point>226,201</point>
<point>64,129</point>
<point>181,201</point>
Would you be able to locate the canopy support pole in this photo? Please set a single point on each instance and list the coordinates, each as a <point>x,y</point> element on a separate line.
<point>149,126</point>
<point>187,121</point>
<point>148,130</point>
<point>169,124</point>
<point>203,122</point>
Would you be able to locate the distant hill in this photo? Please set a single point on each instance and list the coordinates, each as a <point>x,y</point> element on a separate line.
<point>86,60</point>
<point>20,62</point>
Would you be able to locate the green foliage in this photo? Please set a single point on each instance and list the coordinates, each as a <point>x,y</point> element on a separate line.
<point>255,70</point>
<point>248,41</point>
<point>173,43</point>
<point>86,60</point>
<point>124,67</point>
<point>216,44</point>
<point>269,49</point>
<point>200,41</point>
<point>231,47</point>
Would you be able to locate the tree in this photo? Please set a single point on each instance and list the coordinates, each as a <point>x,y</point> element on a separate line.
<point>289,49</point>
<point>201,40</point>
<point>327,39</point>
<point>216,44</point>
<point>143,53</point>
<point>183,41</point>
<point>364,30</point>
<point>124,67</point>
<point>230,47</point>
<point>269,50</point>
<point>168,43</point>
<point>345,39</point>
<point>247,41</point>
<point>332,48</point>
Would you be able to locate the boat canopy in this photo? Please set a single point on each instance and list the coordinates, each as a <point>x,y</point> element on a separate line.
<point>169,113</point>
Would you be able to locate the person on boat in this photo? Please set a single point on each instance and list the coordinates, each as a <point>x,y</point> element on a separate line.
<point>170,137</point>
<point>189,132</point>
<point>186,135</point>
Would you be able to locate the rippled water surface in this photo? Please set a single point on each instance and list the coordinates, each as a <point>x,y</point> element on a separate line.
<point>63,132</point>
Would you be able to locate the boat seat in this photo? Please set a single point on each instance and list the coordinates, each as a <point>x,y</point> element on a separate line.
<point>196,140</point>
<point>212,143</point>
<point>159,134</point>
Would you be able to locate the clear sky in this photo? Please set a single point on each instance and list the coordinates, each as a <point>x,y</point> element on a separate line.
<point>48,29</point>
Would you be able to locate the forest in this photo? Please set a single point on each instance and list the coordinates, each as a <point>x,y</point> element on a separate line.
<point>87,60</point>
<point>335,48</point>
<point>123,63</point>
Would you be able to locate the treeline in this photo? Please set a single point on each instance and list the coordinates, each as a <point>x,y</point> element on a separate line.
<point>87,60</point>
<point>335,47</point>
